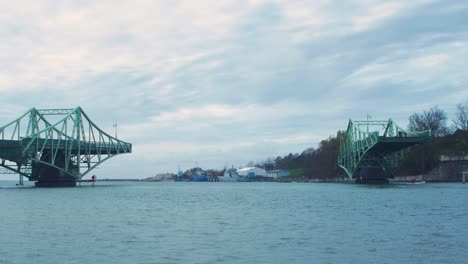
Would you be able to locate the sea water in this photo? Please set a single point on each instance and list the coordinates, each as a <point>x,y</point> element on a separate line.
<point>192,222</point>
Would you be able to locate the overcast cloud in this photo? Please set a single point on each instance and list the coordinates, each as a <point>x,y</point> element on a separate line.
<point>220,83</point>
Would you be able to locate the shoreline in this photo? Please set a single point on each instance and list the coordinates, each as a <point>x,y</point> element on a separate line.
<point>345,181</point>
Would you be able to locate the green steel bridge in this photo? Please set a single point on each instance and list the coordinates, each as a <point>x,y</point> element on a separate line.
<point>56,147</point>
<point>374,156</point>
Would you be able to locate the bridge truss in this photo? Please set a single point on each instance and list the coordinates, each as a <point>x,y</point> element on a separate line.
<point>64,139</point>
<point>382,148</point>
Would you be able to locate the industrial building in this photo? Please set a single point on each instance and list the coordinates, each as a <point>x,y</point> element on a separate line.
<point>278,173</point>
<point>252,172</point>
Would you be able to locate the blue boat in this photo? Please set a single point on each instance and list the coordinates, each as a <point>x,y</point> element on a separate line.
<point>180,177</point>
<point>199,177</point>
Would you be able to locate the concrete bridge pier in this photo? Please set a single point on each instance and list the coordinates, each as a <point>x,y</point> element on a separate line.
<point>48,176</point>
<point>373,175</point>
<point>52,177</point>
<point>21,179</point>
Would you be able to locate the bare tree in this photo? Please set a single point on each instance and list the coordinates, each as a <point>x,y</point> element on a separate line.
<point>461,117</point>
<point>435,120</point>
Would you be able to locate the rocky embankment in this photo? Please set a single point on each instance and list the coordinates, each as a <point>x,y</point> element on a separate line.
<point>159,178</point>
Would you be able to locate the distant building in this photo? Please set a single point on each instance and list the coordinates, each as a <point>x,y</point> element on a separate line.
<point>252,172</point>
<point>451,167</point>
<point>454,156</point>
<point>278,173</point>
<point>269,166</point>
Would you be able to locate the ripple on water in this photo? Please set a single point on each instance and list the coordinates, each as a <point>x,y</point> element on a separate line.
<point>233,223</point>
<point>441,235</point>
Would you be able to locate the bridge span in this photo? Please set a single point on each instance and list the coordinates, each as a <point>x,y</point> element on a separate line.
<point>374,156</point>
<point>56,147</point>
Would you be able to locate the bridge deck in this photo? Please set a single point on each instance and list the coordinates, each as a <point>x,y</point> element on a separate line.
<point>388,145</point>
<point>10,148</point>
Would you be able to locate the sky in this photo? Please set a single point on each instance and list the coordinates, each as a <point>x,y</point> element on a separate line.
<point>220,83</point>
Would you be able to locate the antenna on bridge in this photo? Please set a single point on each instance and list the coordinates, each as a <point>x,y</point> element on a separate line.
<point>115,126</point>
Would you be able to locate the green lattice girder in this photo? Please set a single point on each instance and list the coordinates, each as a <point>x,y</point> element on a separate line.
<point>71,143</point>
<point>361,148</point>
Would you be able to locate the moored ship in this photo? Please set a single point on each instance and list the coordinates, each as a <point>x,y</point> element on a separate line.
<point>199,176</point>
<point>180,177</point>
<point>231,175</point>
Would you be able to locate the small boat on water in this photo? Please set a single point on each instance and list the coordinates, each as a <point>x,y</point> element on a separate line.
<point>416,182</point>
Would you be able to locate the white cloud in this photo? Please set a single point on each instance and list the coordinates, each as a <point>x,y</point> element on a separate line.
<point>69,44</point>
<point>428,61</point>
<point>375,14</point>
<point>427,67</point>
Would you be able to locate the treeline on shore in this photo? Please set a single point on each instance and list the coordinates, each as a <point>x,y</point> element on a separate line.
<point>321,163</point>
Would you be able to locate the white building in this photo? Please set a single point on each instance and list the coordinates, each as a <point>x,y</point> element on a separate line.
<point>278,173</point>
<point>252,172</point>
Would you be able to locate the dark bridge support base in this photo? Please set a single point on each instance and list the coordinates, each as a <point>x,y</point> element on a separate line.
<point>55,178</point>
<point>58,182</point>
<point>372,181</point>
<point>48,176</point>
<point>374,175</point>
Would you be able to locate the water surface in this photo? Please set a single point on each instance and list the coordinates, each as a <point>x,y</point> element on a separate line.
<point>131,222</point>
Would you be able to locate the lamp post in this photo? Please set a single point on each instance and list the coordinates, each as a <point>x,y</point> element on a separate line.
<point>115,126</point>
<point>368,117</point>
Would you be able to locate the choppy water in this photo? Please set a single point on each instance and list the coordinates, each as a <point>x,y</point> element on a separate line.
<point>234,223</point>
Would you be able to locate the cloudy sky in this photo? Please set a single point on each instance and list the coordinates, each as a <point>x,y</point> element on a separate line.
<point>221,83</point>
